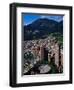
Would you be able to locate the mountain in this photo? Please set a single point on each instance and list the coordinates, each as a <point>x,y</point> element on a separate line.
<point>41,28</point>
<point>60,27</point>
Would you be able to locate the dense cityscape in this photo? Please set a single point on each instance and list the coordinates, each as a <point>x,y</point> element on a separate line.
<point>42,56</point>
<point>42,44</point>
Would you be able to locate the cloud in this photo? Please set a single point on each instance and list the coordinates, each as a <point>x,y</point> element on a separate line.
<point>43,16</point>
<point>52,17</point>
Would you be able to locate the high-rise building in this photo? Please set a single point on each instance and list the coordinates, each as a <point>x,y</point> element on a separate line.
<point>41,52</point>
<point>57,54</point>
<point>49,57</point>
<point>45,54</point>
<point>34,51</point>
<point>61,58</point>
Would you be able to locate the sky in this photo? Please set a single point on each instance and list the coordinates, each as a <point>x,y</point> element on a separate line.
<point>29,18</point>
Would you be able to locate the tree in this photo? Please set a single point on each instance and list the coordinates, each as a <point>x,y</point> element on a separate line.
<point>28,55</point>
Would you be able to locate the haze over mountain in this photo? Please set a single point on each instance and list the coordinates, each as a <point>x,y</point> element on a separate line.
<point>41,28</point>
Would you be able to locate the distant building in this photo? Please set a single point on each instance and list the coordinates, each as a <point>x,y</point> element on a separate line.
<point>49,57</point>
<point>45,54</point>
<point>61,58</point>
<point>57,54</point>
<point>34,51</point>
<point>41,52</point>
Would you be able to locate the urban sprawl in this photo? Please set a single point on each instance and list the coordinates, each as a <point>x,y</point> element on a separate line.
<point>42,56</point>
